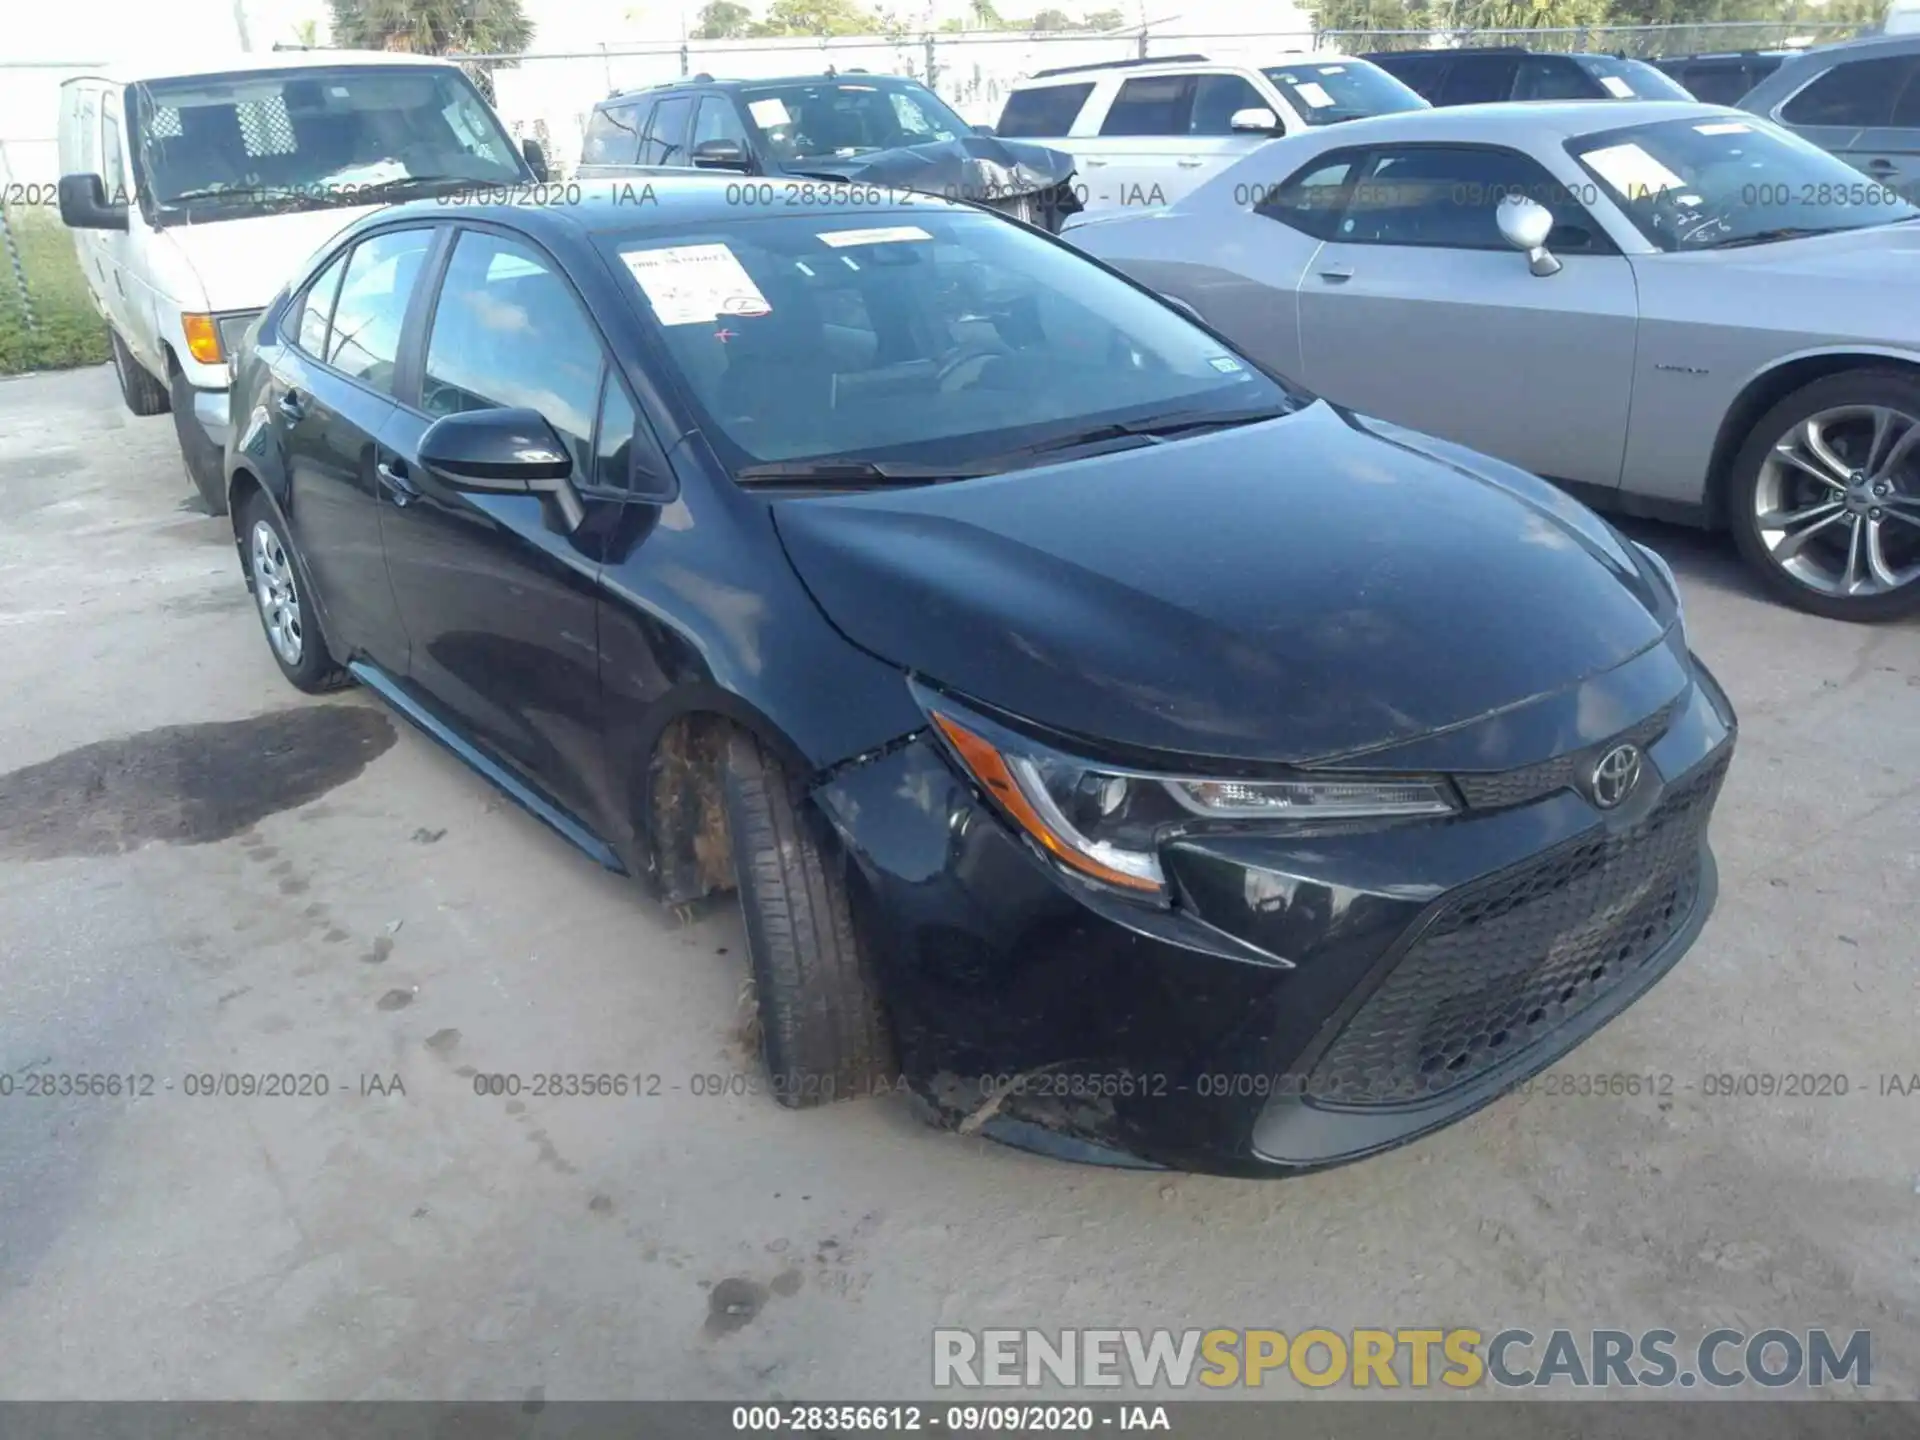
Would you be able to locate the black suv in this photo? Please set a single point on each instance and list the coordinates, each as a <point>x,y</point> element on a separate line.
<point>1722,78</point>
<point>1485,76</point>
<point>888,132</point>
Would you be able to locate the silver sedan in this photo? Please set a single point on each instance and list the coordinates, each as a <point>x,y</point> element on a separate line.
<point>1670,309</point>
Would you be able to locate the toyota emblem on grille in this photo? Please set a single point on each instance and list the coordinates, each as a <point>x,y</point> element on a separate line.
<point>1614,777</point>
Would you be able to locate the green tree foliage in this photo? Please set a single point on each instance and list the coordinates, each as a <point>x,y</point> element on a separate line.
<point>723,20</point>
<point>818,17</point>
<point>432,27</point>
<point>1465,17</point>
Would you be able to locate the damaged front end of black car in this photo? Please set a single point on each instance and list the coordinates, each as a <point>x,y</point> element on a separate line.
<point>1032,183</point>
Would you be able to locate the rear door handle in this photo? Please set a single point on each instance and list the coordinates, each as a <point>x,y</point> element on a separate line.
<point>394,481</point>
<point>1093,164</point>
<point>1190,162</point>
<point>1881,166</point>
<point>291,405</point>
<point>1336,274</point>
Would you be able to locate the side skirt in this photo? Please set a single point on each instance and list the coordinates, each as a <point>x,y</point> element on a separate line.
<point>516,789</point>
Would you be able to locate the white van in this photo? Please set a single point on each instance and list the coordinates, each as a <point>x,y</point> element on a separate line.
<point>193,191</point>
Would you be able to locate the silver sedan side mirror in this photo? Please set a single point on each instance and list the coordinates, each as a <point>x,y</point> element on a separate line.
<point>1525,225</point>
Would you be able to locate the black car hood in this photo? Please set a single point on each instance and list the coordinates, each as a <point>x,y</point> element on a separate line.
<point>973,167</point>
<point>1292,591</point>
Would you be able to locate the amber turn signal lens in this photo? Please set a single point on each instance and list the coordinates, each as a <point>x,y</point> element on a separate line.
<point>990,769</point>
<point>203,338</point>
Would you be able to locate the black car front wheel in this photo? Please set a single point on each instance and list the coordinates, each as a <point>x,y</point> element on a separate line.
<point>286,610</point>
<point>823,1031</point>
<point>1825,501</point>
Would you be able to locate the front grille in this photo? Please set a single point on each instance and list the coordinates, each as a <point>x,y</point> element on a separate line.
<point>1563,772</point>
<point>1512,959</point>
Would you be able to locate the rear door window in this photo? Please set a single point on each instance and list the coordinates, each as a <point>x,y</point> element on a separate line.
<point>316,310</point>
<point>364,342</point>
<point>1151,105</point>
<point>1860,93</point>
<point>1043,110</point>
<point>666,142</point>
<point>1479,80</point>
<point>1553,77</point>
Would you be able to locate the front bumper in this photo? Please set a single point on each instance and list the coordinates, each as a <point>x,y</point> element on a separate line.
<point>1312,996</point>
<point>210,409</point>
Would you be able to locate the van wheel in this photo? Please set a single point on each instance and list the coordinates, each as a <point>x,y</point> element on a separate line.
<point>823,1032</point>
<point>204,462</point>
<point>1824,499</point>
<point>144,394</point>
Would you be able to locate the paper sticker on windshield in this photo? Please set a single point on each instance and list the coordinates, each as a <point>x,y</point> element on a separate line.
<point>1632,171</point>
<point>1225,364</point>
<point>1314,94</point>
<point>1617,87</point>
<point>1333,69</point>
<point>879,235</point>
<point>768,114</point>
<point>693,284</point>
<point>1723,127</point>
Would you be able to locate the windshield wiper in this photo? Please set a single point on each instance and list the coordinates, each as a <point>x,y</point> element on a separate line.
<point>1178,422</point>
<point>830,472</point>
<point>1783,232</point>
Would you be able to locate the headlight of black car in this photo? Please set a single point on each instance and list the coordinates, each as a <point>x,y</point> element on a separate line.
<point>1107,823</point>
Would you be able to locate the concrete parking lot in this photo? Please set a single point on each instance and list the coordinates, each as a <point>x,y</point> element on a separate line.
<point>204,872</point>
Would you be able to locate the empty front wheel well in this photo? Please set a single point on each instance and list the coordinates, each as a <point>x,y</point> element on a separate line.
<point>1761,395</point>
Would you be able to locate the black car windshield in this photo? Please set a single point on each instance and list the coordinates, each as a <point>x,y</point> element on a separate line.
<point>930,336</point>
<point>1715,180</point>
<point>241,144</point>
<point>1342,90</point>
<point>816,119</point>
<point>1632,79</point>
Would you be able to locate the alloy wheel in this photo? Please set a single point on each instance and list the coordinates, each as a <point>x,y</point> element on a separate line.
<point>1838,501</point>
<point>279,599</point>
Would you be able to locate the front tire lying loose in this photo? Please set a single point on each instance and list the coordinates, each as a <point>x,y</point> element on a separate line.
<point>823,1031</point>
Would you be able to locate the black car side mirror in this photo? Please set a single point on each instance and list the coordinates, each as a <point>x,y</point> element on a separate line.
<point>721,155</point>
<point>503,452</point>
<point>536,158</point>
<point>83,204</point>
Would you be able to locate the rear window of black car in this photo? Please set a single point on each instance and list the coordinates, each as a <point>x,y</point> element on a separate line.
<point>1043,110</point>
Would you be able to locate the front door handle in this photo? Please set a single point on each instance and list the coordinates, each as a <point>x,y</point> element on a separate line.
<point>1336,274</point>
<point>394,481</point>
<point>1881,166</point>
<point>291,405</point>
<point>1093,164</point>
<point>1190,162</point>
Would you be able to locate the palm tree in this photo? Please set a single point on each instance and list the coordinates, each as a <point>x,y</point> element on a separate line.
<point>432,27</point>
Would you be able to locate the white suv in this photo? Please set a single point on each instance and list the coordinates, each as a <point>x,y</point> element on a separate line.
<point>1145,132</point>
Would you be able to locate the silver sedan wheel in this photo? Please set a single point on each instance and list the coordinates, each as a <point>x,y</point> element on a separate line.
<point>273,587</point>
<point>1838,503</point>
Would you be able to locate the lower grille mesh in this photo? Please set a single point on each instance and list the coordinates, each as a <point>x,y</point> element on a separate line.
<point>1516,957</point>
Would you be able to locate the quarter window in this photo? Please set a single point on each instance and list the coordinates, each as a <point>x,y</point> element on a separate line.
<point>613,445</point>
<point>1151,105</point>
<point>508,331</point>
<point>1042,110</point>
<point>613,136</point>
<point>365,339</point>
<point>1861,93</point>
<point>316,309</point>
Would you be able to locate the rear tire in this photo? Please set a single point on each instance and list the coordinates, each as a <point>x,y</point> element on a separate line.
<point>1824,499</point>
<point>284,601</point>
<point>144,394</point>
<point>206,467</point>
<point>823,1031</point>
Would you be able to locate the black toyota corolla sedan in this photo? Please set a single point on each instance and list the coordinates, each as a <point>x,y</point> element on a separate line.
<point>1148,762</point>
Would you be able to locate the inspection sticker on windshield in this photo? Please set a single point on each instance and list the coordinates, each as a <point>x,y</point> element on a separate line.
<point>768,114</point>
<point>1617,87</point>
<point>693,284</point>
<point>1632,171</point>
<point>1314,93</point>
<point>1723,127</point>
<point>879,235</point>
